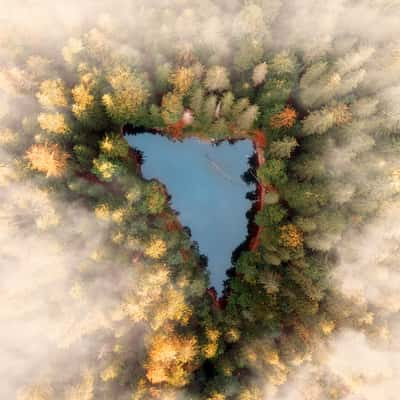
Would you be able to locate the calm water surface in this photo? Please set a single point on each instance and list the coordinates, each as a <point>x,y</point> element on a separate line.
<point>207,191</point>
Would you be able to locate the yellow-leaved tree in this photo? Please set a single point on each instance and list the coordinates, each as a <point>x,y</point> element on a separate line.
<point>320,121</point>
<point>170,359</point>
<point>182,79</point>
<point>83,100</point>
<point>172,306</point>
<point>48,158</point>
<point>155,299</point>
<point>53,123</point>
<point>52,93</point>
<point>156,248</point>
<point>171,108</point>
<point>291,236</point>
<point>87,104</point>
<point>210,349</point>
<point>128,93</point>
<point>114,145</point>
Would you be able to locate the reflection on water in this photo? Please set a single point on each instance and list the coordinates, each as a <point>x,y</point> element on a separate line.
<point>207,190</point>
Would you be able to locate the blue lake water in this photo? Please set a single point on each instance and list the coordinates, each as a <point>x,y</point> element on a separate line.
<point>204,181</point>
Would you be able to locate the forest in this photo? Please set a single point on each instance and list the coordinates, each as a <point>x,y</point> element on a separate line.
<point>122,283</point>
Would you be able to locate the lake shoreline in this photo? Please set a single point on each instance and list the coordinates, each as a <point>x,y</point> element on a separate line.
<point>257,159</point>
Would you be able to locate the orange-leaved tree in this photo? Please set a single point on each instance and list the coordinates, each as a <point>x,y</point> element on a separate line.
<point>284,119</point>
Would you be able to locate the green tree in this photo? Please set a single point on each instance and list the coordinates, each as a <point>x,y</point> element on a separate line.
<point>282,148</point>
<point>114,145</point>
<point>245,121</point>
<point>162,74</point>
<point>308,168</point>
<point>84,155</point>
<point>219,129</point>
<point>227,102</point>
<point>249,53</point>
<point>283,64</point>
<point>155,118</point>
<point>306,198</point>
<point>107,169</point>
<point>209,110</point>
<point>247,266</point>
<point>155,200</point>
<point>271,215</point>
<point>240,106</point>
<point>273,172</point>
<point>52,94</point>
<point>196,101</point>
<point>217,79</point>
<point>171,108</point>
<point>128,95</point>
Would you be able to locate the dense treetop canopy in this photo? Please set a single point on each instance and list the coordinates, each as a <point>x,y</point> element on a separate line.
<point>137,298</point>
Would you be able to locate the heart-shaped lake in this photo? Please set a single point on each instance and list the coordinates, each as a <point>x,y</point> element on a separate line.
<point>207,190</point>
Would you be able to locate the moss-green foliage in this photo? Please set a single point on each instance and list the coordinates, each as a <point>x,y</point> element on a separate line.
<point>83,154</point>
<point>271,215</point>
<point>114,146</point>
<point>154,198</point>
<point>273,172</point>
<point>171,108</point>
<point>107,169</point>
<point>282,148</point>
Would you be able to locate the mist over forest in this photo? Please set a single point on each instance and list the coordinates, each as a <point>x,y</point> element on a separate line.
<point>103,293</point>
